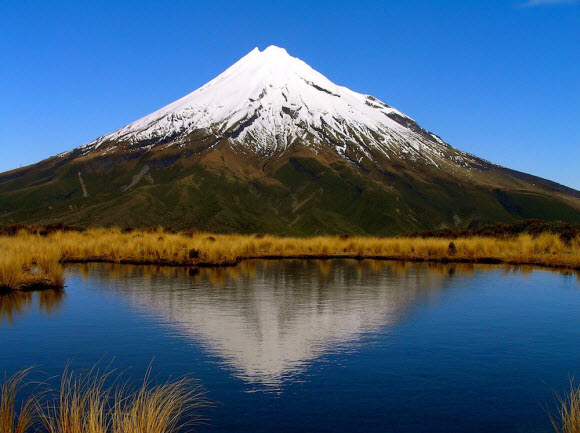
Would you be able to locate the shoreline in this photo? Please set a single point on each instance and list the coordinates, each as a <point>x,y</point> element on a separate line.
<point>34,261</point>
<point>442,260</point>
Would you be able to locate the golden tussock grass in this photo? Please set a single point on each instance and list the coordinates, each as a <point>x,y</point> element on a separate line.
<point>96,402</point>
<point>26,264</point>
<point>567,419</point>
<point>15,418</point>
<point>157,408</point>
<point>29,259</point>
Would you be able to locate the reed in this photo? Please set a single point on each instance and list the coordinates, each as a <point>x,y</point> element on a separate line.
<point>30,259</point>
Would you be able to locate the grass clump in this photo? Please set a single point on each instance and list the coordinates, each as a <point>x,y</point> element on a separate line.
<point>99,402</point>
<point>157,408</point>
<point>15,418</point>
<point>27,264</point>
<point>567,419</point>
<point>80,406</point>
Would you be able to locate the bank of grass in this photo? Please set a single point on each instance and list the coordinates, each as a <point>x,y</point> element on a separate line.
<point>96,402</point>
<point>33,259</point>
<point>26,263</point>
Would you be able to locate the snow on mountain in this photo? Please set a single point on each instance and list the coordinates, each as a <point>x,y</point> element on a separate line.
<point>268,100</point>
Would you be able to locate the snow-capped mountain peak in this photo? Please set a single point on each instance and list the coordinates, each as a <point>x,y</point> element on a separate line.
<point>268,100</point>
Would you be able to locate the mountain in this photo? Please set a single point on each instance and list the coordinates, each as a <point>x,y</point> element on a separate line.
<point>271,145</point>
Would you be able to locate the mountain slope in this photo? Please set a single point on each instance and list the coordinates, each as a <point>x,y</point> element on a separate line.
<point>271,145</point>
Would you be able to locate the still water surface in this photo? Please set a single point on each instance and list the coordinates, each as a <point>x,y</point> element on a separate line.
<point>337,346</point>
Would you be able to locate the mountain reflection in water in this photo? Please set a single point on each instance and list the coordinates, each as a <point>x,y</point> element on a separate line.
<point>268,319</point>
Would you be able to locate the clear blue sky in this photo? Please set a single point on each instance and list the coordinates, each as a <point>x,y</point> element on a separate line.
<point>497,78</point>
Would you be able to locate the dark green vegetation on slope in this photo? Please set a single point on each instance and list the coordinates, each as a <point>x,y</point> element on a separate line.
<point>533,227</point>
<point>295,192</point>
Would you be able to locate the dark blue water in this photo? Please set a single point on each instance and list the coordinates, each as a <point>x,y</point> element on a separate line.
<point>337,346</point>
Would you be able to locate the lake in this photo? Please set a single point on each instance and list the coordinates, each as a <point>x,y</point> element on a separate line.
<point>334,345</point>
